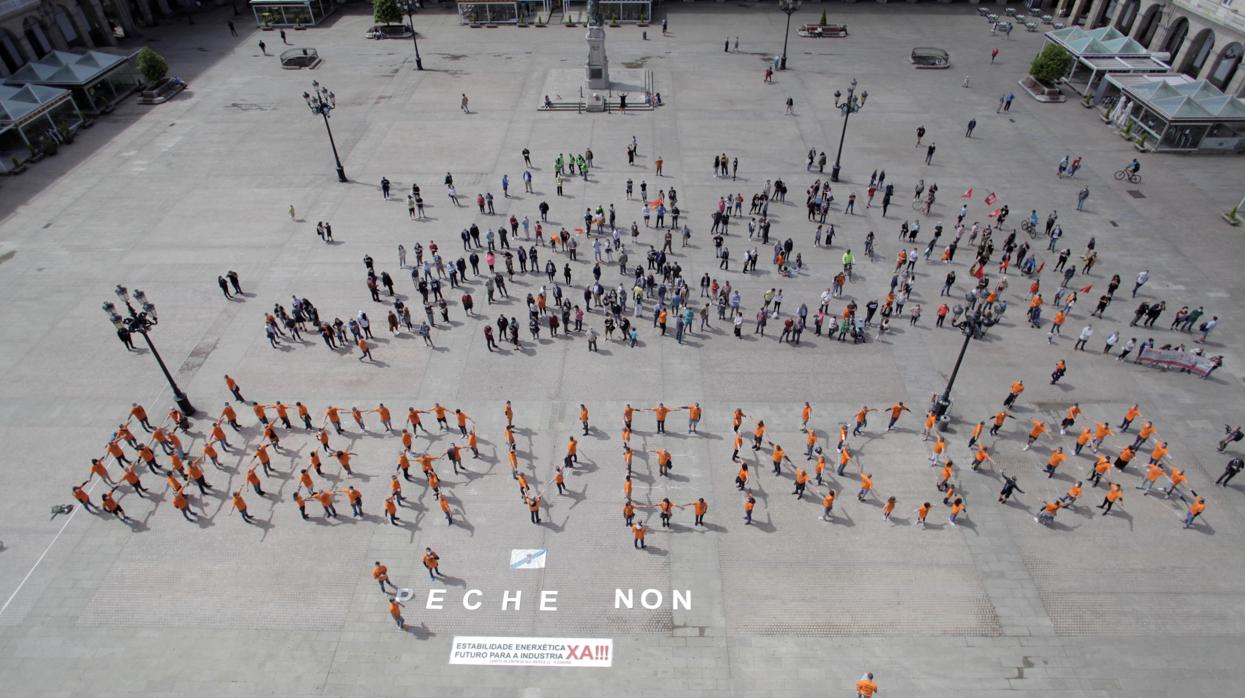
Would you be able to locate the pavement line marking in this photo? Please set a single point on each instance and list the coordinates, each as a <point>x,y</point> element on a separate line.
<point>77,508</point>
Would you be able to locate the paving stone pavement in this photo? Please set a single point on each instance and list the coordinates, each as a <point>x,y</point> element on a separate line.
<point>166,198</point>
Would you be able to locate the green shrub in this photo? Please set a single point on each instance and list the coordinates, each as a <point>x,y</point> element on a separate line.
<point>152,66</point>
<point>1051,64</point>
<point>386,11</point>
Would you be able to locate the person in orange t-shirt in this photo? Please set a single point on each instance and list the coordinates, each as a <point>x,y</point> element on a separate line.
<point>694,413</point>
<point>758,435</point>
<point>866,486</point>
<point>98,468</point>
<point>432,563</point>
<point>801,481</point>
<point>862,419</point>
<point>395,610</point>
<point>638,530</point>
<point>181,504</point>
<point>412,417</point>
<point>1039,428</point>
<point>865,687</point>
<point>445,509</point>
<point>1057,457</point>
<point>699,508</point>
<point>1115,494</point>
<point>1132,413</point>
<point>325,497</point>
<point>381,574</point>
<point>827,506</point>
<point>741,480</point>
<point>664,462</point>
<point>1195,510</point>
<point>385,416</point>
<point>922,512</point>
<point>355,498</point>
<point>889,508</point>
<point>661,412</point>
<point>240,504</point>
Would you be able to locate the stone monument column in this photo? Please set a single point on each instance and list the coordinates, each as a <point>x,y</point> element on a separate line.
<point>597,70</point>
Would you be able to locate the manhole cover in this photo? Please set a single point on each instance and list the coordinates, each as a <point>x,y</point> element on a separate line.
<point>1136,193</point>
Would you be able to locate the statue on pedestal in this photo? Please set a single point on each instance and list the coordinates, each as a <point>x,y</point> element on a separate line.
<point>597,70</point>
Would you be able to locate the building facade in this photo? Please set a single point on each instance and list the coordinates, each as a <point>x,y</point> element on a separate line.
<point>31,29</point>
<point>1204,39</point>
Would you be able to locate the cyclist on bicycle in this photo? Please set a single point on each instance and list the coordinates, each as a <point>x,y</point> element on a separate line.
<point>869,244</point>
<point>1133,167</point>
<point>848,260</point>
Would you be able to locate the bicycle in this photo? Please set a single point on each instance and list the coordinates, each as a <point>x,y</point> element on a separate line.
<point>1133,177</point>
<point>1029,228</point>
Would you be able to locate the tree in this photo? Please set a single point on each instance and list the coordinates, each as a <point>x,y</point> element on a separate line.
<point>1051,64</point>
<point>152,66</point>
<point>823,18</point>
<point>386,11</point>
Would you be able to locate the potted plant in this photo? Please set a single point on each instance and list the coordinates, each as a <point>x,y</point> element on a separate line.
<point>1128,129</point>
<point>386,12</point>
<point>1047,69</point>
<point>614,20</point>
<point>1233,217</point>
<point>152,67</point>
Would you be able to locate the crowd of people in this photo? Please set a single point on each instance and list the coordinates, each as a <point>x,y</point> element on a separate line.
<point>569,293</point>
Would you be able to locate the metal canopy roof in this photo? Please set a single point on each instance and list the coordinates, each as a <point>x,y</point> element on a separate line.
<point>67,68</point>
<point>1103,41</point>
<point>16,103</point>
<point>1181,98</point>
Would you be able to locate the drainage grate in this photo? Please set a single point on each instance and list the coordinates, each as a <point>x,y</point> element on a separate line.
<point>1136,193</point>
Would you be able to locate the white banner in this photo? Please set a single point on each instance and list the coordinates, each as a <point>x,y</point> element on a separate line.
<point>532,651</point>
<point>1167,358</point>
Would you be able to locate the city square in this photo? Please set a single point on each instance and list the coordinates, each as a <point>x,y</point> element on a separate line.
<point>771,594</point>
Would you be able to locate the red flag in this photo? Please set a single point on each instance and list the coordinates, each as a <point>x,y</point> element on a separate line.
<point>995,213</point>
<point>991,198</point>
<point>968,194</point>
<point>981,271</point>
<point>1087,289</point>
<point>1040,268</point>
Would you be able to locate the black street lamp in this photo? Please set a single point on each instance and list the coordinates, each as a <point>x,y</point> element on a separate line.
<point>789,7</point>
<point>849,106</point>
<point>409,6</point>
<point>141,322</point>
<point>944,401</point>
<point>321,101</point>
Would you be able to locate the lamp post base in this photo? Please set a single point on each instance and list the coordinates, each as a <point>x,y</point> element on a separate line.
<point>183,403</point>
<point>782,65</point>
<point>834,173</point>
<point>419,63</point>
<point>341,174</point>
